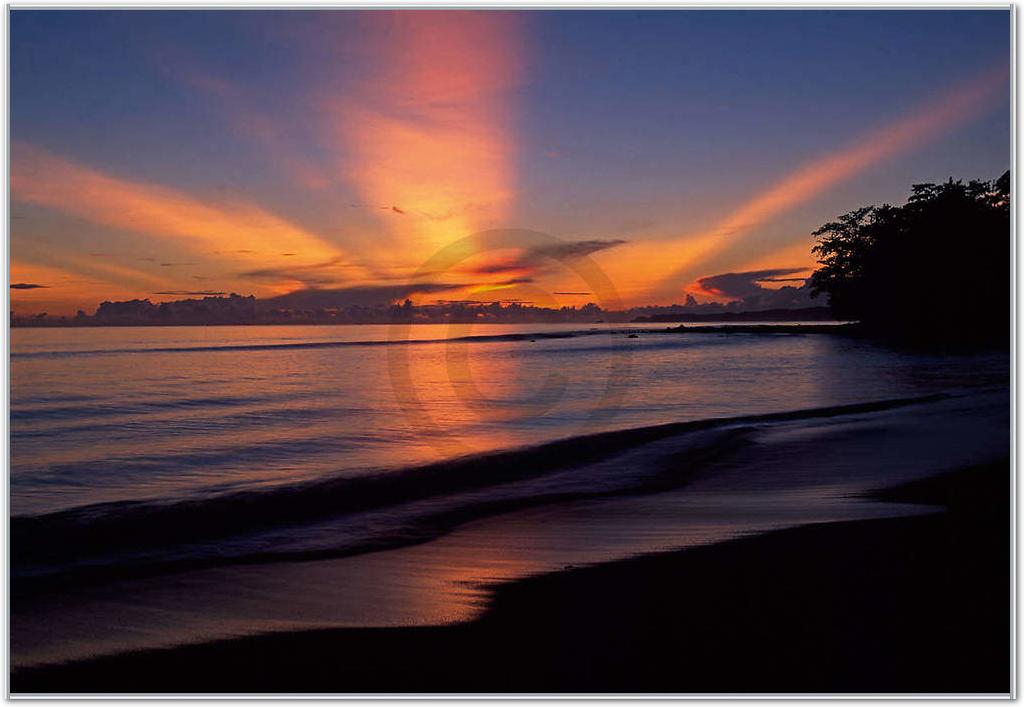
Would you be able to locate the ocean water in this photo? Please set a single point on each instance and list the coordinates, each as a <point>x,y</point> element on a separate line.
<point>392,473</point>
<point>101,415</point>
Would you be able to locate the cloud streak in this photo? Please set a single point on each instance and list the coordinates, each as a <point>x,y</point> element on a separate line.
<point>73,284</point>
<point>42,178</point>
<point>365,295</point>
<point>537,259</point>
<point>954,108</point>
<point>193,293</point>
<point>325,273</point>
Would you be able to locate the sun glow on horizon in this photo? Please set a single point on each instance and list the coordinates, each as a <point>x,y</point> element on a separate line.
<point>428,140</point>
<point>407,132</point>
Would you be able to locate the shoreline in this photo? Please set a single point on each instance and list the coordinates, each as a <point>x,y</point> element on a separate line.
<point>61,533</point>
<point>652,326</point>
<point>909,604</point>
<point>928,342</point>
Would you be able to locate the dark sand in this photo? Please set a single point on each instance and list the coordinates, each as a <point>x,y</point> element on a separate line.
<point>919,604</point>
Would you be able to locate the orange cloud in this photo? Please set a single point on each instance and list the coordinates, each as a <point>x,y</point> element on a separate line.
<point>701,289</point>
<point>429,131</point>
<point>73,283</point>
<point>47,275</point>
<point>244,232</point>
<point>673,263</point>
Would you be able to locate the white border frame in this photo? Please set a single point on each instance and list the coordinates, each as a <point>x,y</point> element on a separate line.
<point>1016,423</point>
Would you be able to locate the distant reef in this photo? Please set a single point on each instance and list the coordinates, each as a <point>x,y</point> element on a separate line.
<point>805,314</point>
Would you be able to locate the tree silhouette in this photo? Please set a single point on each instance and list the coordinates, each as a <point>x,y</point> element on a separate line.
<point>936,269</point>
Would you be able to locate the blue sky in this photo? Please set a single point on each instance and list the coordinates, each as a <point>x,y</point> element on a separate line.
<point>364,141</point>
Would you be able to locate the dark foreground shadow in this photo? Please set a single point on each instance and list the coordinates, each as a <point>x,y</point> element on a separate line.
<point>917,604</point>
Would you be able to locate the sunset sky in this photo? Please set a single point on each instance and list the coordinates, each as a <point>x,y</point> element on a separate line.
<point>156,153</point>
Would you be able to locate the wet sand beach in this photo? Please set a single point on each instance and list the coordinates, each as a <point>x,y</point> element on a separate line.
<point>888,605</point>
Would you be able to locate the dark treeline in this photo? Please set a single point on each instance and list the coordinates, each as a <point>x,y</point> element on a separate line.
<point>935,270</point>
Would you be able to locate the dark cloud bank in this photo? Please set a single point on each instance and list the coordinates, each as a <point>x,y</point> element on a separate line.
<point>747,293</point>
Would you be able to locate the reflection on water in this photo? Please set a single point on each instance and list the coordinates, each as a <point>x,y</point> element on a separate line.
<point>189,413</point>
<point>94,428</point>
